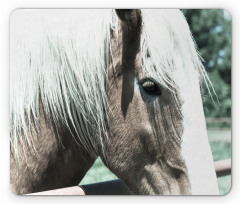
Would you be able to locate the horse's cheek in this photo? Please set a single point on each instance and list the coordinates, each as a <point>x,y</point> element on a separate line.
<point>131,142</point>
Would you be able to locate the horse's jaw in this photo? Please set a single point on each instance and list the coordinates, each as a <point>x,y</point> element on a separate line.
<point>157,179</point>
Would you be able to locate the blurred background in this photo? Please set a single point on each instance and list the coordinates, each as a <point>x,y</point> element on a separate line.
<point>211,29</point>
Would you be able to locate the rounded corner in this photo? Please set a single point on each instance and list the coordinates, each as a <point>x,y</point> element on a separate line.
<point>228,192</point>
<point>12,190</point>
<point>227,13</point>
<point>14,12</point>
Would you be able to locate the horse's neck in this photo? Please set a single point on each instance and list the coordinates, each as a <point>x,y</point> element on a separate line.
<point>51,165</point>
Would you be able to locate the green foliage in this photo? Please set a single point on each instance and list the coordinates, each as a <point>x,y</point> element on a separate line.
<point>224,184</point>
<point>98,173</point>
<point>220,150</point>
<point>211,29</point>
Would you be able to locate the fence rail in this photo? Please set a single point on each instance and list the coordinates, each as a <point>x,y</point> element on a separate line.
<point>117,187</point>
<point>223,167</point>
<point>218,120</point>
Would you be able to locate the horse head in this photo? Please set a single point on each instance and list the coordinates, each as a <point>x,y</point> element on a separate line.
<point>156,121</point>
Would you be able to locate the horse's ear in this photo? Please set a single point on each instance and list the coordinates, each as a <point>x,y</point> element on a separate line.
<point>131,17</point>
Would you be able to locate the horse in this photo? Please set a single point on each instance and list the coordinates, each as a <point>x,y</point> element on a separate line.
<point>121,84</point>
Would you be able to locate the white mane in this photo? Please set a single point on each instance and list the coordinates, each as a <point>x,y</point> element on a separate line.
<point>166,38</point>
<point>62,57</point>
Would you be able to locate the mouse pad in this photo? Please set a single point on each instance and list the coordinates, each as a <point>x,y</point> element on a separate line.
<point>120,102</point>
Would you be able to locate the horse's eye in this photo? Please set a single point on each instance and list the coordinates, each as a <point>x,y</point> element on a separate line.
<point>150,87</point>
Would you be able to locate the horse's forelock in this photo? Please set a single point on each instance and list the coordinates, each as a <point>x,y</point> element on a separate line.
<point>167,45</point>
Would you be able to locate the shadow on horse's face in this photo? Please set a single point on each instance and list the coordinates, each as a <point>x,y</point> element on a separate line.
<point>145,121</point>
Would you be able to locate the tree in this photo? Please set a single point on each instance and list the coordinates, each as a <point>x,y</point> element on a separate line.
<point>211,29</point>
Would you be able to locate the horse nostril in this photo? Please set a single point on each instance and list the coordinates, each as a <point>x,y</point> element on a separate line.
<point>177,173</point>
<point>176,170</point>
